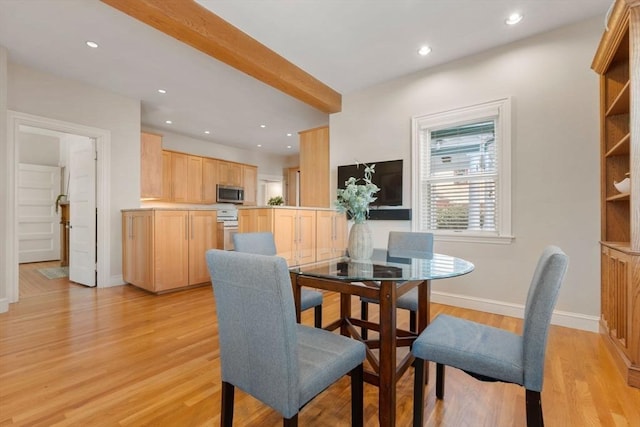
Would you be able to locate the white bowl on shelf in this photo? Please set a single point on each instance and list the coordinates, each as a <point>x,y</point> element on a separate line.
<point>623,186</point>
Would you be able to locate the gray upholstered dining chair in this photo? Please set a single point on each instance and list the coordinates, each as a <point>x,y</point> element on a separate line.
<point>492,354</point>
<point>263,243</point>
<point>403,244</point>
<point>263,351</point>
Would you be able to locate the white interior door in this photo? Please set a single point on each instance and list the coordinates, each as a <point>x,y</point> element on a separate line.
<point>38,222</point>
<point>82,210</point>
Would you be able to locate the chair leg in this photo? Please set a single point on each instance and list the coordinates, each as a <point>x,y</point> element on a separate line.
<point>439,380</point>
<point>317,315</point>
<point>357,396</point>
<point>226,416</point>
<point>412,321</point>
<point>534,409</point>
<point>291,422</point>
<point>418,392</point>
<point>364,315</point>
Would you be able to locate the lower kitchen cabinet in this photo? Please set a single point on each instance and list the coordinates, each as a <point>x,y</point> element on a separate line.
<point>166,250</point>
<point>331,234</point>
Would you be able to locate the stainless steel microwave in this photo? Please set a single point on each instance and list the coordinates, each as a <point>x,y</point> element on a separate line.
<point>229,194</point>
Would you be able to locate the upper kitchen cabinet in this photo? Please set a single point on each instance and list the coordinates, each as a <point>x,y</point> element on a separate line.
<point>229,173</point>
<point>150,166</point>
<point>314,168</point>
<point>209,180</point>
<point>179,165</point>
<point>250,183</point>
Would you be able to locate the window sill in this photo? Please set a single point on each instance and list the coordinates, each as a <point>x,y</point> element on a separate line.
<point>472,238</point>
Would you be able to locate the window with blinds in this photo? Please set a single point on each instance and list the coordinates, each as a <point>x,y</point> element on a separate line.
<point>462,179</point>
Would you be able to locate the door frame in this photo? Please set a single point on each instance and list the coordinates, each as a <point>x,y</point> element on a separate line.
<point>103,206</point>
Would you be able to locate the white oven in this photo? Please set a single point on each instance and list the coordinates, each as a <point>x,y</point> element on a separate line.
<point>227,225</point>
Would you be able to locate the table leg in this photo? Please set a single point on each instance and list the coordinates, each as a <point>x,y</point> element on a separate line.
<point>424,305</point>
<point>297,290</point>
<point>387,387</point>
<point>345,312</point>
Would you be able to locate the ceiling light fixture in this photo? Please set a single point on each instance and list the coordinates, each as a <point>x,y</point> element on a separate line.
<point>168,122</point>
<point>263,126</point>
<point>92,45</point>
<point>513,19</point>
<point>163,91</point>
<point>207,132</point>
<point>259,145</point>
<point>289,134</point>
<point>288,146</point>
<point>424,50</point>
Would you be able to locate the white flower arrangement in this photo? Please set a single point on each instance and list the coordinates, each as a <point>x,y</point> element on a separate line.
<point>355,198</point>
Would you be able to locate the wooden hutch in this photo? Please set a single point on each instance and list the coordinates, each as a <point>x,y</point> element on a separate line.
<point>617,61</point>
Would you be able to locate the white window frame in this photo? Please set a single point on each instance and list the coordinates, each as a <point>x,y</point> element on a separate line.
<point>500,110</point>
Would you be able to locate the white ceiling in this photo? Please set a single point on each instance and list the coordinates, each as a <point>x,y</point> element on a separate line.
<point>347,44</point>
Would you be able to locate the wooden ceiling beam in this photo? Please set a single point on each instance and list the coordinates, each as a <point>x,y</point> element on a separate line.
<point>190,23</point>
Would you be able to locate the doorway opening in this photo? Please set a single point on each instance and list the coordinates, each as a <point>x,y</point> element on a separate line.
<point>100,214</point>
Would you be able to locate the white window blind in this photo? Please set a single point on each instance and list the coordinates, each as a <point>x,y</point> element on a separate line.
<point>461,178</point>
<point>462,172</point>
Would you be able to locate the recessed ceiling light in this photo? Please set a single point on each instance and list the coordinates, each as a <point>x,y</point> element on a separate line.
<point>424,50</point>
<point>289,134</point>
<point>92,44</point>
<point>162,91</point>
<point>207,132</point>
<point>259,145</point>
<point>168,122</point>
<point>263,126</point>
<point>288,146</point>
<point>513,19</point>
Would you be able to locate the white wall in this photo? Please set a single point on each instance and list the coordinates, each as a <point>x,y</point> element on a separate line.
<point>39,149</point>
<point>555,185</point>
<point>45,95</point>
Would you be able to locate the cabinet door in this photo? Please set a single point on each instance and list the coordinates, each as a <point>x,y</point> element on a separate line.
<point>263,220</point>
<point>137,247</point>
<point>202,237</point>
<point>166,176</point>
<point>340,235</point>
<point>306,237</point>
<point>194,179</point>
<point>179,181</point>
<point>171,255</point>
<point>250,184</point>
<point>209,180</point>
<point>285,233</point>
<point>246,220</point>
<point>324,235</point>
<point>314,168</point>
<point>150,166</point>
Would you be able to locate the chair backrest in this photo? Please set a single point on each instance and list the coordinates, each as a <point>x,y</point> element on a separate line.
<point>256,326</point>
<point>541,299</point>
<point>410,244</point>
<point>261,243</point>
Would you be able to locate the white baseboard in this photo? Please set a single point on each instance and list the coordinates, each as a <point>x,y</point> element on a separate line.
<point>4,305</point>
<point>561,318</point>
<point>114,281</point>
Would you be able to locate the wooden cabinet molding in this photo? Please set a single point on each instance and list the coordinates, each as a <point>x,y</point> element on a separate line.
<point>314,168</point>
<point>151,166</point>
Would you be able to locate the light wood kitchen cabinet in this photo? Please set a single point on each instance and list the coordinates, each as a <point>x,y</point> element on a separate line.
<point>167,252</point>
<point>137,248</point>
<point>295,235</point>
<point>209,180</point>
<point>166,175</point>
<point>194,179</point>
<point>150,166</point>
<point>255,220</point>
<point>229,173</point>
<point>314,168</point>
<point>292,186</point>
<point>331,234</point>
<point>179,167</point>
<point>250,184</point>
<point>300,234</point>
<point>617,61</point>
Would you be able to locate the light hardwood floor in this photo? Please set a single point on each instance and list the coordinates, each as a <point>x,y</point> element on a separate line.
<point>122,357</point>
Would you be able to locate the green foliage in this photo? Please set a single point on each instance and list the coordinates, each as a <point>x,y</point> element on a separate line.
<point>276,201</point>
<point>355,198</point>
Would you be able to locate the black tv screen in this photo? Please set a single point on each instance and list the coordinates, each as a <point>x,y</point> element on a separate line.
<point>387,176</point>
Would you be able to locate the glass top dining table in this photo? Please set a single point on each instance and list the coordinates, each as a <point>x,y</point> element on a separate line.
<point>382,278</point>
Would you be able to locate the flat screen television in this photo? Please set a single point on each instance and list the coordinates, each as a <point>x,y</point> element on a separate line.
<point>387,176</point>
